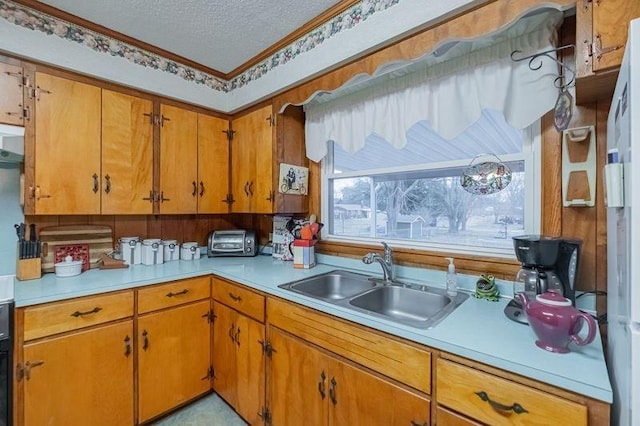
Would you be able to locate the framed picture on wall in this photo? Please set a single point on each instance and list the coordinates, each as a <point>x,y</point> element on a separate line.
<point>293,179</point>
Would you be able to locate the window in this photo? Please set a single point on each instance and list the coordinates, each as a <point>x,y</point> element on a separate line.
<point>412,196</point>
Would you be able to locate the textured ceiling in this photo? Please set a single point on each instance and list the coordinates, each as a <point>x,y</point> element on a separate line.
<point>220,34</point>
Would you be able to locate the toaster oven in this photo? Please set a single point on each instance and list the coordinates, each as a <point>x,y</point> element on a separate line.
<point>235,242</point>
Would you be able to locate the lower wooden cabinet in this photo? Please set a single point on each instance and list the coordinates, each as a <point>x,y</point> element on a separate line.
<point>309,386</point>
<point>82,378</point>
<point>174,349</point>
<point>238,361</point>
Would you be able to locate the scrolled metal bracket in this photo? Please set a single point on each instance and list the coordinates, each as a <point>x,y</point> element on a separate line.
<point>535,63</point>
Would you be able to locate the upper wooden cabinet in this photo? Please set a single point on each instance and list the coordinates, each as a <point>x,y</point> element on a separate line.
<point>213,164</point>
<point>12,109</point>
<point>257,150</point>
<point>67,147</point>
<point>601,35</point>
<point>178,160</point>
<point>127,154</point>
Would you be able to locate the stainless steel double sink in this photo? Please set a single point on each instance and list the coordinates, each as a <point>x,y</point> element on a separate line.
<point>409,304</point>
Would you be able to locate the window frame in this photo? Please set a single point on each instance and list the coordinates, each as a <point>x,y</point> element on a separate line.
<point>532,156</point>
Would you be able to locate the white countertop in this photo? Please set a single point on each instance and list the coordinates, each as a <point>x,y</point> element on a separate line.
<point>477,329</point>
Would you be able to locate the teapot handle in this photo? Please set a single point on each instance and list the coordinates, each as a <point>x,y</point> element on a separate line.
<point>591,323</point>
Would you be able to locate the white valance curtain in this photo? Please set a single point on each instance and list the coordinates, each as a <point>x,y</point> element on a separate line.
<point>450,94</point>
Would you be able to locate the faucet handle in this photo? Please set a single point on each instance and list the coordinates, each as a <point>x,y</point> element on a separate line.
<point>387,251</point>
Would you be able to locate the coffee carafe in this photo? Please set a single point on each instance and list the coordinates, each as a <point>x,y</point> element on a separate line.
<point>548,263</point>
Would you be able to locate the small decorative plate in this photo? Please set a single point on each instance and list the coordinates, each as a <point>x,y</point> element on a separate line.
<point>563,111</point>
<point>486,178</point>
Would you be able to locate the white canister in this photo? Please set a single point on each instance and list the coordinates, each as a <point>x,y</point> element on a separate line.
<point>171,250</point>
<point>189,251</point>
<point>152,252</point>
<point>131,250</point>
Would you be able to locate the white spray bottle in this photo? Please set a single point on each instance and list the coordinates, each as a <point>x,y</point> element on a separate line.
<point>452,284</point>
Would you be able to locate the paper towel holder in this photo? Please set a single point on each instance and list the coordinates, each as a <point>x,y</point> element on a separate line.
<point>579,167</point>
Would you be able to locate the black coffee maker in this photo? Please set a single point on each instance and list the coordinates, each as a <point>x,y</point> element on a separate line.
<point>548,263</point>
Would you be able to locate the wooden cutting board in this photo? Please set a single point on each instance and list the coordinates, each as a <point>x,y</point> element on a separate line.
<point>99,238</point>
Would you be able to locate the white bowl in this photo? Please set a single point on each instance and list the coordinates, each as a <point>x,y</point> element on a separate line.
<point>68,268</point>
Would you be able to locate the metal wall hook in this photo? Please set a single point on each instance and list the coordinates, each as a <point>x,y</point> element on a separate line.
<point>535,63</point>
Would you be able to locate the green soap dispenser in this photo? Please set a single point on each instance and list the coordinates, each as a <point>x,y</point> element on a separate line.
<point>452,283</point>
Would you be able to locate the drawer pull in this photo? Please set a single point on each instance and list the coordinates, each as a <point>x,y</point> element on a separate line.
<point>171,294</point>
<point>81,314</point>
<point>321,389</point>
<point>501,408</point>
<point>332,391</point>
<point>234,297</point>
<point>414,423</point>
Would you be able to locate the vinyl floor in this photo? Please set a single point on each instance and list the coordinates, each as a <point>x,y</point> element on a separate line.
<point>208,411</point>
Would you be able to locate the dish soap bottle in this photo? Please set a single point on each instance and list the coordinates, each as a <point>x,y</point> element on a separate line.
<point>452,284</point>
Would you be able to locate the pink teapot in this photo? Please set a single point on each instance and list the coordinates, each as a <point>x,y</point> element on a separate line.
<point>556,322</point>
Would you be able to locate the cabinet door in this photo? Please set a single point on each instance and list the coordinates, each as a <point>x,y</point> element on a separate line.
<point>238,361</point>
<point>610,27</point>
<point>85,378</point>
<point>67,147</point>
<point>127,154</point>
<point>213,165</point>
<point>173,358</point>
<point>246,139</point>
<point>178,160</point>
<point>11,103</point>
<point>298,388</point>
<point>224,353</point>
<point>262,189</point>
<point>358,397</point>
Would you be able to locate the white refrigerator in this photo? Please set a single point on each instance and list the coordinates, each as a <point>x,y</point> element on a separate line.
<point>623,237</point>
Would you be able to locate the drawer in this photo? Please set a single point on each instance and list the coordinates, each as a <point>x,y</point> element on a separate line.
<point>58,317</point>
<point>488,399</point>
<point>239,298</point>
<point>403,362</point>
<point>173,294</point>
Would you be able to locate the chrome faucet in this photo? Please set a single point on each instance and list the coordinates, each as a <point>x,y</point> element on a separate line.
<point>388,269</point>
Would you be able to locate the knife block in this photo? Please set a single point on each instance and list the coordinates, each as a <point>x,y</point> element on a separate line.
<point>29,269</point>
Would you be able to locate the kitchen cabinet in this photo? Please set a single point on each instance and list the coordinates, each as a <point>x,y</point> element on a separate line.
<point>174,345</point>
<point>238,348</point>
<point>327,371</point>
<point>178,184</point>
<point>76,353</point>
<point>12,109</point>
<point>262,140</point>
<point>601,35</point>
<point>309,386</point>
<point>127,154</point>
<point>497,401</point>
<point>213,165</point>
<point>67,147</point>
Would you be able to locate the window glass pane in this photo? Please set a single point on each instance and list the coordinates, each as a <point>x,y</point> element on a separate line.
<point>429,207</point>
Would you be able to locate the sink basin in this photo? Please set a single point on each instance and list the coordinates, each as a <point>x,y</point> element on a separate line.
<point>403,304</point>
<point>408,304</point>
<point>336,285</point>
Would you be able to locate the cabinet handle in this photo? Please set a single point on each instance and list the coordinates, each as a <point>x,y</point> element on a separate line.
<point>179,293</point>
<point>127,346</point>
<point>145,343</point>
<point>414,423</point>
<point>246,189</point>
<point>107,184</point>
<point>231,332</point>
<point>501,408</point>
<point>237,337</point>
<point>81,314</point>
<point>332,391</point>
<point>201,188</point>
<point>96,183</point>
<point>28,366</point>
<point>195,188</point>
<point>321,384</point>
<point>251,188</point>
<point>234,297</point>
